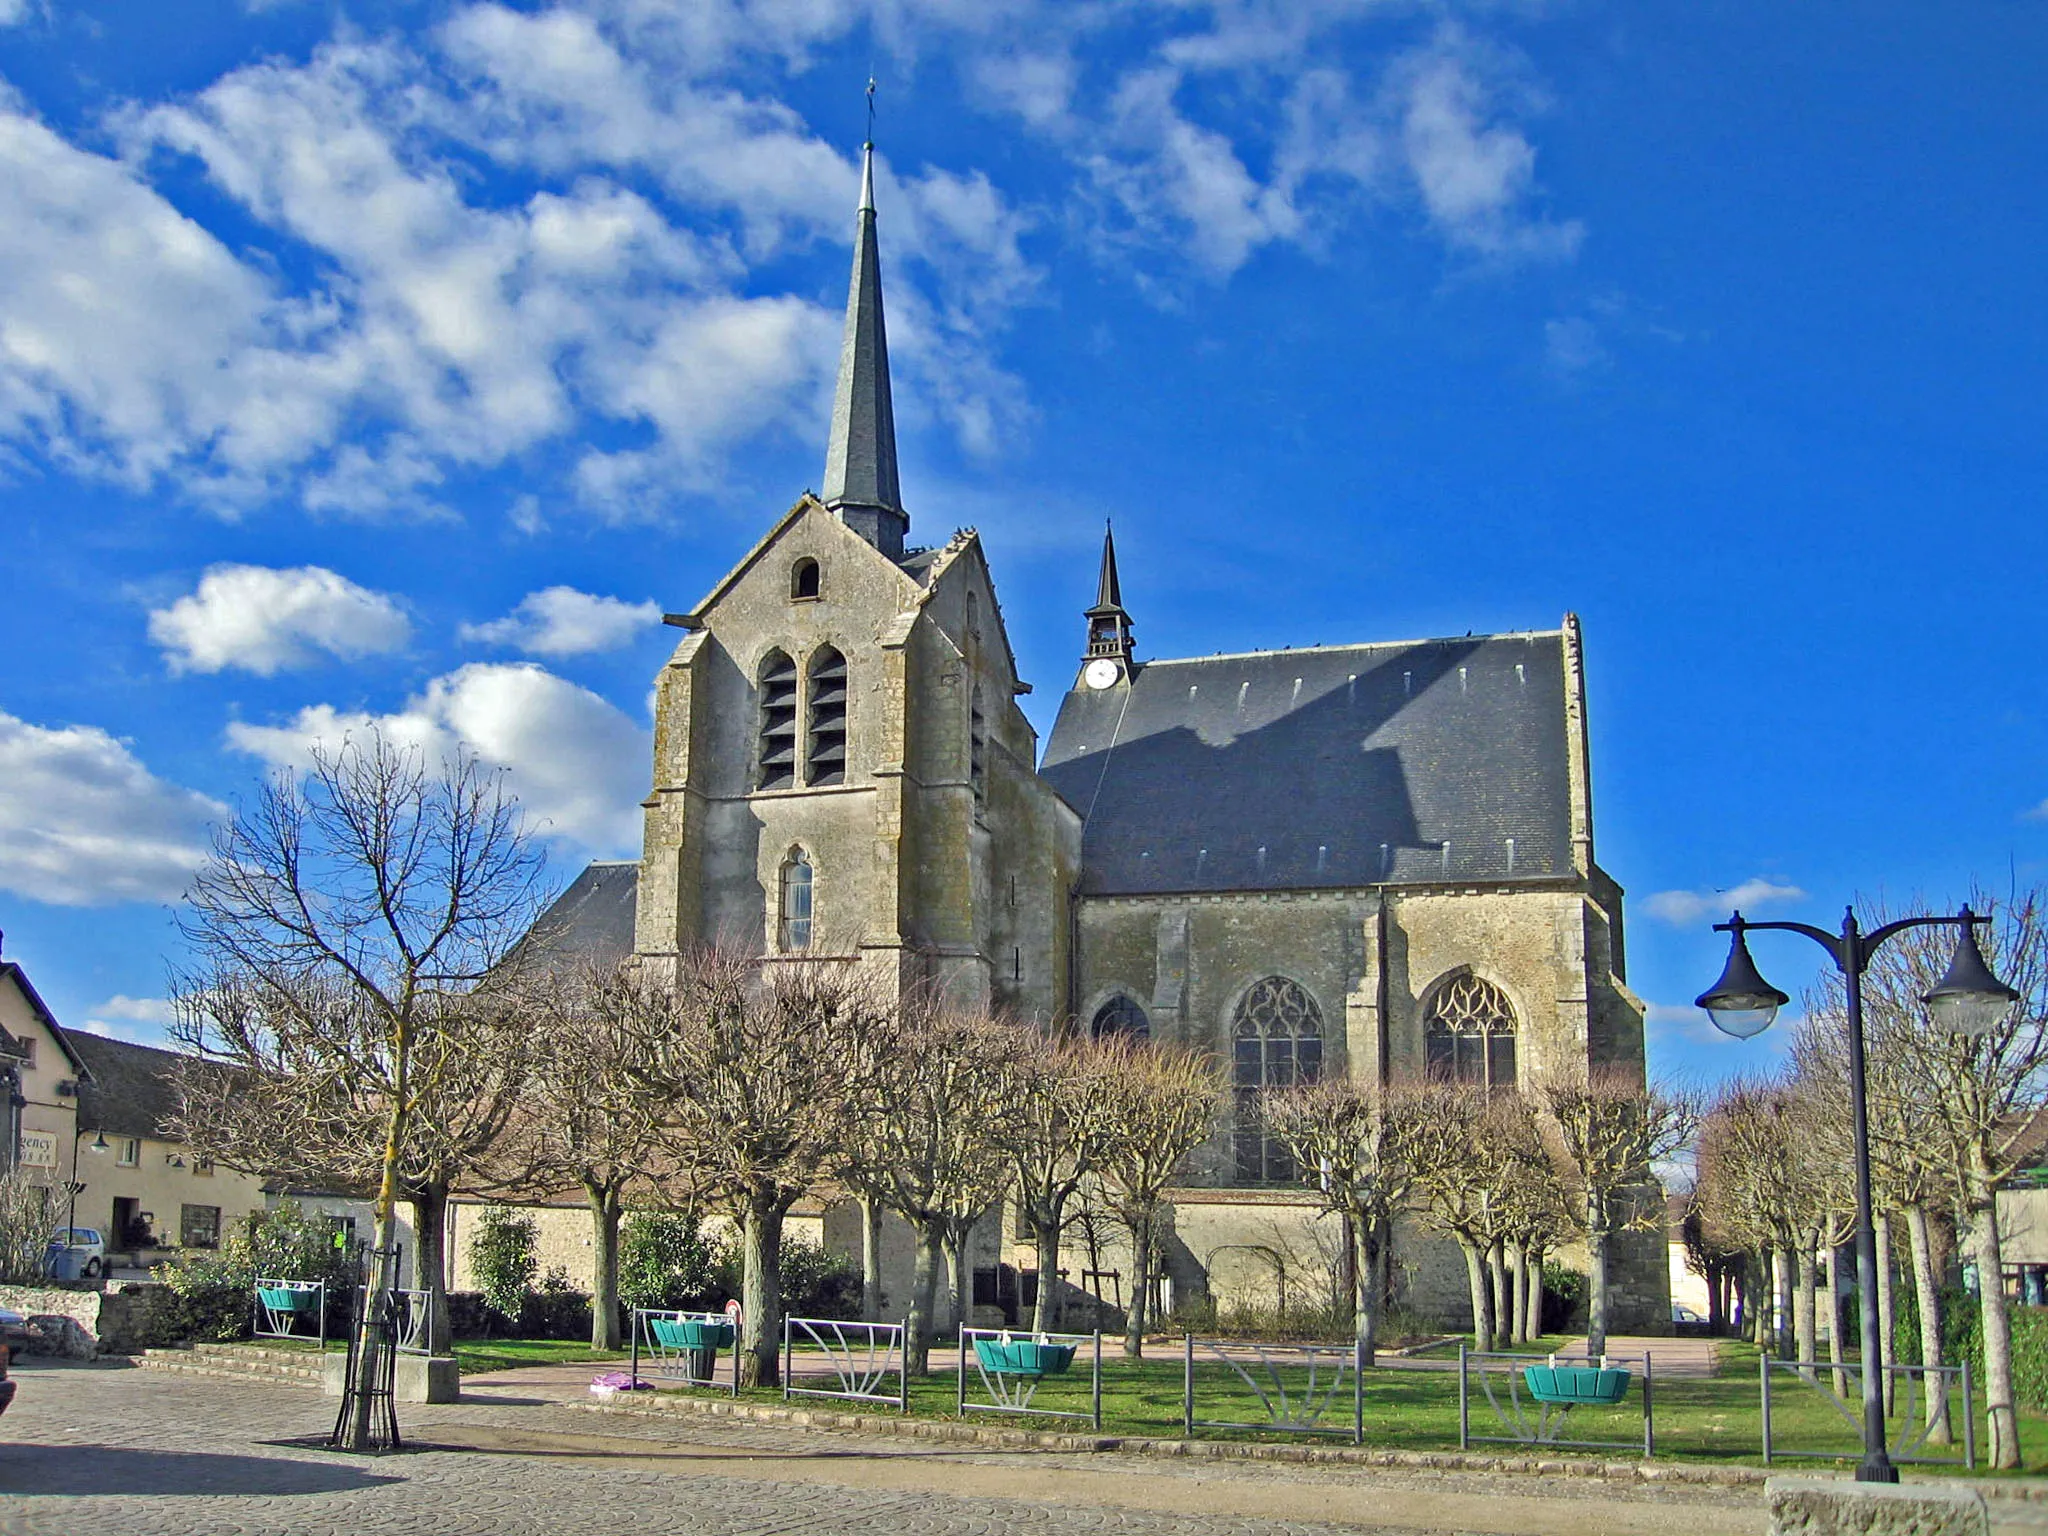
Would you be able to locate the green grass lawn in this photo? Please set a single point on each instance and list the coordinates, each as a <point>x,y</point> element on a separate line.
<point>475,1357</point>
<point>1715,1420</point>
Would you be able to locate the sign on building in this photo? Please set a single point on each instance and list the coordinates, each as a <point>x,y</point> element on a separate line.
<point>38,1149</point>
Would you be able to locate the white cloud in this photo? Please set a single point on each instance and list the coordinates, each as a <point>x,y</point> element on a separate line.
<point>83,823</point>
<point>560,621</point>
<point>578,765</point>
<point>13,12</point>
<point>1683,909</point>
<point>141,1020</point>
<point>266,621</point>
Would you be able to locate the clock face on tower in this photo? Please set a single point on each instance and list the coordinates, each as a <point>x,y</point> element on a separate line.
<point>1101,673</point>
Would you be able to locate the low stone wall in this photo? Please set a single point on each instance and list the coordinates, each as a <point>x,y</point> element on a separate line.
<point>77,1323</point>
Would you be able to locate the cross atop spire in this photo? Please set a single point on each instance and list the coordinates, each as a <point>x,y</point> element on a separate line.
<point>860,460</point>
<point>1109,627</point>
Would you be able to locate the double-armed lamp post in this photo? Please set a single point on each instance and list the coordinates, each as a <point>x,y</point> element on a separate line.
<point>1968,1000</point>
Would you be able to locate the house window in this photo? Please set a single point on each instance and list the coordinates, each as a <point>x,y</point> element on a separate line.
<point>199,1226</point>
<point>1121,1015</point>
<point>793,905</point>
<point>825,752</point>
<point>130,1153</point>
<point>803,579</point>
<point>202,1167</point>
<point>778,722</point>
<point>1470,1034</point>
<point>26,1046</point>
<point>1278,1042</point>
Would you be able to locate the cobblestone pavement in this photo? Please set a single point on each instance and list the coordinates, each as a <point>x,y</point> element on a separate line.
<point>101,1448</point>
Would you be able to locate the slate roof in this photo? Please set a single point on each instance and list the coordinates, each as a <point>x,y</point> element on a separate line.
<point>128,1089</point>
<point>593,918</point>
<point>1354,765</point>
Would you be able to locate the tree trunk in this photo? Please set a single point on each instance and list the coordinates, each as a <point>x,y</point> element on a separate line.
<point>1045,1312</point>
<point>1365,1301</point>
<point>1997,1328</point>
<point>1831,1259</point>
<point>924,1286</point>
<point>360,1431</point>
<point>1783,1268</point>
<point>1533,1327</point>
<point>1482,1294</point>
<point>1141,1286</point>
<point>870,1259</point>
<point>1518,1301</point>
<point>1596,1289</point>
<point>1887,1302</point>
<point>430,1244</point>
<point>963,1276</point>
<point>604,1286</point>
<point>1927,1292</point>
<point>1497,1271</point>
<point>761,1293</point>
<point>1802,1309</point>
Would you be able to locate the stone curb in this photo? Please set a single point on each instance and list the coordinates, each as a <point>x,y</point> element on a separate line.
<point>958,1433</point>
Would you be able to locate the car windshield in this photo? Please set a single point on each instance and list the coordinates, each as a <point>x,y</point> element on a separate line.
<point>77,1235</point>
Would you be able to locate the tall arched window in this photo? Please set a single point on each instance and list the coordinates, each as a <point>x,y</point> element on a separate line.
<point>977,745</point>
<point>1121,1015</point>
<point>825,753</point>
<point>1470,1031</point>
<point>777,751</point>
<point>1278,1042</point>
<point>793,904</point>
<point>803,578</point>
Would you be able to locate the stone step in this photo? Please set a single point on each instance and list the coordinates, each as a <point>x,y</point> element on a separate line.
<point>228,1373</point>
<point>247,1352</point>
<point>266,1365</point>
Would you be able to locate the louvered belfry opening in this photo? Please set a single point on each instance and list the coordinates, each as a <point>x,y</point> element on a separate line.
<point>825,754</point>
<point>778,722</point>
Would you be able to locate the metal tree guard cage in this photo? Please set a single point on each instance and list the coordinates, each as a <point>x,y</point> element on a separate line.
<point>1296,1384</point>
<point>862,1355</point>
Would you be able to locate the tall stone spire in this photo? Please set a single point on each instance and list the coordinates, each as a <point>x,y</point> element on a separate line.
<point>860,461</point>
<point>1109,626</point>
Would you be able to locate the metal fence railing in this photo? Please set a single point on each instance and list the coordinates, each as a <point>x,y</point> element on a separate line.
<point>411,1314</point>
<point>1909,1428</point>
<point>289,1309</point>
<point>863,1357</point>
<point>683,1347</point>
<point>1014,1365</point>
<point>1533,1397</point>
<point>1296,1386</point>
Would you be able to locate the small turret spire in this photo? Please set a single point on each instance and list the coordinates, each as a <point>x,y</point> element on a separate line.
<point>860,460</point>
<point>1109,626</point>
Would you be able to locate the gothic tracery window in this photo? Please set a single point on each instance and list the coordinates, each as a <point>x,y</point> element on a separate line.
<point>825,753</point>
<point>793,904</point>
<point>776,768</point>
<point>1278,1042</point>
<point>1121,1015</point>
<point>1470,1034</point>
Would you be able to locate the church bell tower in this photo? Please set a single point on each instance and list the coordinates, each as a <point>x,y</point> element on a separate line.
<point>1108,661</point>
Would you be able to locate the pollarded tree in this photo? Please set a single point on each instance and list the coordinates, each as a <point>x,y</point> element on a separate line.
<point>759,1078</point>
<point>1162,1104</point>
<point>583,1122</point>
<point>931,1144</point>
<point>1055,1102</point>
<point>1608,1136</point>
<point>1355,1143</point>
<point>339,927</point>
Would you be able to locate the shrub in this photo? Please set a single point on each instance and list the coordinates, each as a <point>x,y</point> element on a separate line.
<point>816,1282</point>
<point>554,1309</point>
<point>1564,1299</point>
<point>502,1255</point>
<point>215,1286</point>
<point>1963,1339</point>
<point>666,1262</point>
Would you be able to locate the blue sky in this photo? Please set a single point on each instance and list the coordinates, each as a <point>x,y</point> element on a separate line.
<point>404,360</point>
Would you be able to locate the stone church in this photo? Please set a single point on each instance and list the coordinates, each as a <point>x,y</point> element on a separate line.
<point>1373,859</point>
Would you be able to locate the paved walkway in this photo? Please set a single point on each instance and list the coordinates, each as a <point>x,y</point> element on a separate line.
<point>91,1448</point>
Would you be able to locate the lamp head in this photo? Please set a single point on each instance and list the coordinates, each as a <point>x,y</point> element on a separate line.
<point>1741,1003</point>
<point>1969,1000</point>
<point>99,1143</point>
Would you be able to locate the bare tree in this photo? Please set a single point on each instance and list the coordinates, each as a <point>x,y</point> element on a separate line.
<point>1356,1142</point>
<point>583,1122</point>
<point>1608,1135</point>
<point>1474,1153</point>
<point>1750,1180</point>
<point>1975,1098</point>
<point>353,910</point>
<point>1164,1100</point>
<point>1056,1101</point>
<point>758,1075</point>
<point>931,1146</point>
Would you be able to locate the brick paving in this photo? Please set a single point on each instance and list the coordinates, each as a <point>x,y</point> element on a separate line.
<point>103,1448</point>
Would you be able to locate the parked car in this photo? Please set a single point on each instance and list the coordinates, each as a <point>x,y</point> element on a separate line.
<point>1681,1313</point>
<point>76,1253</point>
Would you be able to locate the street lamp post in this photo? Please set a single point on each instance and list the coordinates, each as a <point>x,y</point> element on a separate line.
<point>1968,1000</point>
<point>99,1144</point>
